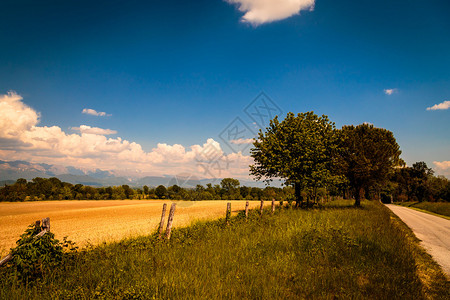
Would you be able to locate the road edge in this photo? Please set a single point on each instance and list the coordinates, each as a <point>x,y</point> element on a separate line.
<point>435,283</point>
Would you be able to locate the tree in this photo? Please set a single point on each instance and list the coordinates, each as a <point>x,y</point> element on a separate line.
<point>421,173</point>
<point>230,188</point>
<point>161,192</point>
<point>299,149</point>
<point>415,183</point>
<point>230,184</point>
<point>367,155</point>
<point>145,190</point>
<point>422,169</point>
<point>440,188</point>
<point>128,191</point>
<point>174,192</point>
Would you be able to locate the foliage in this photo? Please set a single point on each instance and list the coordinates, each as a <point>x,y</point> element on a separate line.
<point>230,187</point>
<point>367,156</point>
<point>35,257</point>
<point>53,189</point>
<point>298,149</point>
<point>229,184</point>
<point>417,183</point>
<point>161,192</point>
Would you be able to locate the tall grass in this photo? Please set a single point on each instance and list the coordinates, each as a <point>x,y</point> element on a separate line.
<point>440,208</point>
<point>338,251</point>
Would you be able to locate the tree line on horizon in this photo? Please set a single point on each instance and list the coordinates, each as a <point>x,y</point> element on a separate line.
<point>39,189</point>
<point>416,183</point>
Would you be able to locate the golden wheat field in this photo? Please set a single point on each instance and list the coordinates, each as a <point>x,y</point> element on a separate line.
<point>103,221</point>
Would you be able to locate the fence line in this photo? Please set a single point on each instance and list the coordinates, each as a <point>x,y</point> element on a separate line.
<point>46,223</point>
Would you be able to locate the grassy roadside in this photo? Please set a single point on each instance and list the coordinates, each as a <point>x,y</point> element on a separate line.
<point>336,252</point>
<point>441,209</point>
<point>435,284</point>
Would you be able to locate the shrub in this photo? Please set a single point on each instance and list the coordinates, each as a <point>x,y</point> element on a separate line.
<point>33,257</point>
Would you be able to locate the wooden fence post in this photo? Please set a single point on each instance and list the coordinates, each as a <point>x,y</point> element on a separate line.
<point>37,225</point>
<point>169,222</point>
<point>46,224</point>
<point>228,214</point>
<point>45,227</point>
<point>5,259</point>
<point>273,206</point>
<point>161,224</point>
<point>261,208</point>
<point>246,209</point>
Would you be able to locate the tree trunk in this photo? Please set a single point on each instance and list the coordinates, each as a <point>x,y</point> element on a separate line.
<point>358,192</point>
<point>298,194</point>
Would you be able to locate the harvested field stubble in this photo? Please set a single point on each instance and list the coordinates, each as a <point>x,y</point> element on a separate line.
<point>99,221</point>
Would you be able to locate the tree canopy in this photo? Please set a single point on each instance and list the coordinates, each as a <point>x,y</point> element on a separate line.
<point>308,152</point>
<point>366,156</point>
<point>298,149</point>
<point>417,183</point>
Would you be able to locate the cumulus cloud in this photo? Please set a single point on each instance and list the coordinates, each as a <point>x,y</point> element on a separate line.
<point>93,112</point>
<point>16,117</point>
<point>21,138</point>
<point>442,164</point>
<point>242,141</point>
<point>441,106</point>
<point>390,91</point>
<point>264,11</point>
<point>443,167</point>
<point>94,130</point>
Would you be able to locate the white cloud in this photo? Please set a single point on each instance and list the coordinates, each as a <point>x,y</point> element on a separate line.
<point>441,106</point>
<point>93,112</point>
<point>16,117</point>
<point>21,138</point>
<point>94,130</point>
<point>264,11</point>
<point>242,141</point>
<point>390,91</point>
<point>442,167</point>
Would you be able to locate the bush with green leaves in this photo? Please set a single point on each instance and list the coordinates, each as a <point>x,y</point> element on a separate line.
<point>35,256</point>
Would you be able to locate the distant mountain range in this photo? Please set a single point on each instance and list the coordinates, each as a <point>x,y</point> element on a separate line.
<point>10,171</point>
<point>13,170</point>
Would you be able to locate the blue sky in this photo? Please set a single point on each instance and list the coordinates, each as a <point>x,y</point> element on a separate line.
<point>171,76</point>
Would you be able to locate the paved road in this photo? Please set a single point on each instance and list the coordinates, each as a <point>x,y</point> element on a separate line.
<point>433,231</point>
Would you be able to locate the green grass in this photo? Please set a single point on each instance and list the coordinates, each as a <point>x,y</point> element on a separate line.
<point>334,252</point>
<point>440,208</point>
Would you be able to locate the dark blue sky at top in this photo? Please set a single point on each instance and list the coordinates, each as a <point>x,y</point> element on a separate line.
<point>179,71</point>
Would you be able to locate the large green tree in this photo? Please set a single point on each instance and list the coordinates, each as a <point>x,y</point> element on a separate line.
<point>298,149</point>
<point>367,155</point>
